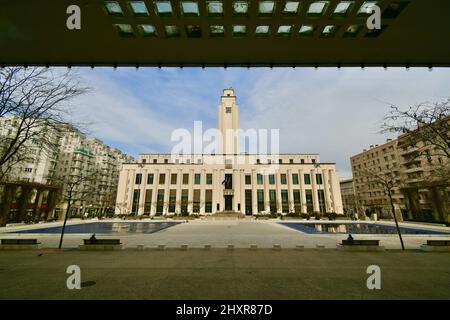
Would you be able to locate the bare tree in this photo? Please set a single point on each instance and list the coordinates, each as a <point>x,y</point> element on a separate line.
<point>75,187</point>
<point>35,101</point>
<point>427,126</point>
<point>388,182</point>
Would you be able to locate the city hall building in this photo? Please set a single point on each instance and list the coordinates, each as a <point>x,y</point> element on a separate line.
<point>228,181</point>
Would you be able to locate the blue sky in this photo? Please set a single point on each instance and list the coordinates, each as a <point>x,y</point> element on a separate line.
<point>335,113</point>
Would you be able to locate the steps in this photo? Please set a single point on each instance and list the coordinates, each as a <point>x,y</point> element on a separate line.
<point>225,215</point>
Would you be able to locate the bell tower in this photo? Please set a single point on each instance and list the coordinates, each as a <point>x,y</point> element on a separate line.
<point>228,123</point>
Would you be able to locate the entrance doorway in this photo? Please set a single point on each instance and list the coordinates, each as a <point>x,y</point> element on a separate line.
<point>228,203</point>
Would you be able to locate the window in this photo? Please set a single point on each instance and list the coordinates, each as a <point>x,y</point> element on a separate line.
<point>273,201</point>
<point>248,179</point>
<point>197,178</point>
<point>284,31</point>
<point>260,198</point>
<point>162,178</point>
<point>313,160</point>
<point>342,8</point>
<point>302,161</point>
<point>228,110</point>
<point>317,8</point>
<point>307,178</point>
<point>259,178</point>
<point>196,202</point>
<point>172,200</point>
<point>208,201</point>
<point>271,179</point>
<point>173,178</point>
<point>190,9</point>
<point>307,30</point>
<point>329,30</point>
<point>160,202</point>
<point>291,7</point>
<point>138,8</point>
<point>319,178</point>
<point>284,201</point>
<point>193,31</point>
<point>297,201</point>
<point>172,31</point>
<point>150,178</point>
<point>239,30</point>
<point>184,200</point>
<point>216,30</point>
<point>138,178</point>
<point>148,201</point>
<point>291,160</point>
<point>283,178</point>
<point>155,160</point>
<point>262,31</point>
<point>163,8</point>
<point>240,7</point>
<point>266,8</point>
<point>166,160</point>
<point>214,8</point>
<point>185,178</point>
<point>209,178</point>
<point>125,30</point>
<point>113,8</point>
<point>294,178</point>
<point>135,203</point>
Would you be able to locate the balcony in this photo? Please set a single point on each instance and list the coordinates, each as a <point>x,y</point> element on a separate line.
<point>228,192</point>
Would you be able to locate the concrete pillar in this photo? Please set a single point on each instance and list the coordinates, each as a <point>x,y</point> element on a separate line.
<point>191,191</point>
<point>37,205</point>
<point>215,188</point>
<point>221,188</point>
<point>178,194</point>
<point>142,191</point>
<point>154,192</point>
<point>242,190</point>
<point>202,191</point>
<point>290,191</point>
<point>166,192</point>
<point>254,192</point>
<point>314,191</point>
<point>302,191</point>
<point>278,186</point>
<point>266,192</point>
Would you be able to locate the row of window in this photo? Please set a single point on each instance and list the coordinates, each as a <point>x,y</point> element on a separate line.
<point>258,161</point>
<point>216,9</point>
<point>241,30</point>
<point>261,204</point>
<point>209,178</point>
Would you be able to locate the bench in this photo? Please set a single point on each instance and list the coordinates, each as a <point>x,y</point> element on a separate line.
<point>436,245</point>
<point>360,245</point>
<point>101,244</point>
<point>360,242</point>
<point>19,244</point>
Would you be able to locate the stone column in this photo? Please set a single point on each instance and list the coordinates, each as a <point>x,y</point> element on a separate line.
<point>302,191</point>
<point>242,190</point>
<point>254,192</point>
<point>278,186</point>
<point>314,191</point>
<point>202,191</point>
<point>191,191</point>
<point>215,192</point>
<point>327,191</point>
<point>178,194</point>
<point>131,177</point>
<point>166,192</point>
<point>8,196</point>
<point>221,188</point>
<point>37,205</point>
<point>290,191</point>
<point>154,192</point>
<point>142,192</point>
<point>266,192</point>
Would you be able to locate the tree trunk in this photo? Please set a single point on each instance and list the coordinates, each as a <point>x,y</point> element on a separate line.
<point>395,219</point>
<point>65,221</point>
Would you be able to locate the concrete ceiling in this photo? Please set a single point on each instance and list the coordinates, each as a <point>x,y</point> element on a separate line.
<point>34,33</point>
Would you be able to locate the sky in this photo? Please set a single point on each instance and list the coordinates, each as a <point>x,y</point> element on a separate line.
<point>333,112</point>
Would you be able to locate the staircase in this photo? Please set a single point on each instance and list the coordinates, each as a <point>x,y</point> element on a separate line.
<point>225,215</point>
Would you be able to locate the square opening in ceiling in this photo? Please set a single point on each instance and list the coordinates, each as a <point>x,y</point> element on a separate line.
<point>284,31</point>
<point>266,8</point>
<point>262,31</point>
<point>291,8</point>
<point>240,7</point>
<point>394,9</point>
<point>190,9</point>
<point>125,30</point>
<point>329,31</point>
<point>138,8</point>
<point>113,8</point>
<point>147,30</point>
<point>214,8</point>
<point>239,30</point>
<point>318,8</point>
<point>216,30</point>
<point>366,8</point>
<point>307,30</point>
<point>343,8</point>
<point>352,31</point>
<point>193,31</point>
<point>163,8</point>
<point>172,31</point>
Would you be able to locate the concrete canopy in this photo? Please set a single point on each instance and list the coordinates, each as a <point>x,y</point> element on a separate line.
<point>224,33</point>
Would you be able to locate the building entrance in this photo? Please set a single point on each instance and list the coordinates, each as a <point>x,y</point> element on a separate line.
<point>228,203</point>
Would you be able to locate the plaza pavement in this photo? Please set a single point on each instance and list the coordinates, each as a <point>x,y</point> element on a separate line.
<point>221,233</point>
<point>224,274</point>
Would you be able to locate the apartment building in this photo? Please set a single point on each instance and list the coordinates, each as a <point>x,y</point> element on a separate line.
<point>419,194</point>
